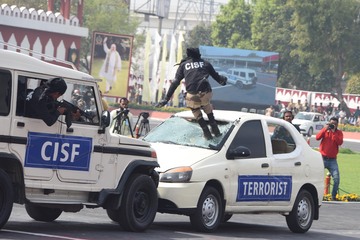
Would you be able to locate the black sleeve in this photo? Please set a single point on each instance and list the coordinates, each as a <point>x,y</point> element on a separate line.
<point>214,74</point>
<point>48,115</point>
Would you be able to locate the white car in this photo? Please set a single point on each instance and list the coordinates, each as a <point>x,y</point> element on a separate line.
<point>245,170</point>
<point>309,122</point>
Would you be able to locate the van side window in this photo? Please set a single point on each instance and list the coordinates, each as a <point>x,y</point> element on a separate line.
<point>5,92</point>
<point>25,86</point>
<point>82,96</point>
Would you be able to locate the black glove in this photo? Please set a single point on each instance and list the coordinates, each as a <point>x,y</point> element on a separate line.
<point>162,103</point>
<point>223,80</point>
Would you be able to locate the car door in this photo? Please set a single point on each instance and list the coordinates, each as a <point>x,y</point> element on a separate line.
<point>83,164</point>
<point>287,166</point>
<point>248,174</point>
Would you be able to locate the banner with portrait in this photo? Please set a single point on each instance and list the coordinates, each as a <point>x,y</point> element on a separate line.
<point>111,62</point>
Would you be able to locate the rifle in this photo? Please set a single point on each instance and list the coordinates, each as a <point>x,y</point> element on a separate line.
<point>72,108</point>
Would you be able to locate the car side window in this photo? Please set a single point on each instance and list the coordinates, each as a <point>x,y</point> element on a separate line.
<point>5,92</point>
<point>251,135</point>
<point>281,139</point>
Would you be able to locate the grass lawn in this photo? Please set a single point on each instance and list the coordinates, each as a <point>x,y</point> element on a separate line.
<point>349,166</point>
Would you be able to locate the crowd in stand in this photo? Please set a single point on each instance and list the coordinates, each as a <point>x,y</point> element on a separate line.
<point>329,111</point>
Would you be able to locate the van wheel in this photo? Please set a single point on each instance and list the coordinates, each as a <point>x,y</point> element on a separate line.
<point>113,214</point>
<point>209,211</point>
<point>139,203</point>
<point>6,197</point>
<point>43,214</point>
<point>239,84</point>
<point>301,217</point>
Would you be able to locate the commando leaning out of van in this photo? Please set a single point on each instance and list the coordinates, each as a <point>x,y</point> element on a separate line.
<point>42,102</point>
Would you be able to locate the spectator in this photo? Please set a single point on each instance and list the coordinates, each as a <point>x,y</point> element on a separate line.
<point>331,138</point>
<point>357,113</point>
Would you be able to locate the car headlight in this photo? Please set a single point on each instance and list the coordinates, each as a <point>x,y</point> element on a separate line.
<point>180,174</point>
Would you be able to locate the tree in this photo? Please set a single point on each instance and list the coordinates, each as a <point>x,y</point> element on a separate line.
<point>326,35</point>
<point>353,84</point>
<point>233,25</point>
<point>199,35</point>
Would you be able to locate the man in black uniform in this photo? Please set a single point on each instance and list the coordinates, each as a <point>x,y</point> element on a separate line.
<point>42,102</point>
<point>199,93</point>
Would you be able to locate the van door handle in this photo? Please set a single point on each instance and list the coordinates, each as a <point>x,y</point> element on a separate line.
<point>20,124</point>
<point>70,130</point>
<point>264,165</point>
<point>297,164</point>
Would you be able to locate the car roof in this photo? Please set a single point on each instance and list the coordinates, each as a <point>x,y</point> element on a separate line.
<point>311,113</point>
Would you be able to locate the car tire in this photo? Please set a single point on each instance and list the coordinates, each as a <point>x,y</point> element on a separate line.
<point>42,214</point>
<point>6,197</point>
<point>139,203</point>
<point>301,217</point>
<point>209,211</point>
<point>310,132</point>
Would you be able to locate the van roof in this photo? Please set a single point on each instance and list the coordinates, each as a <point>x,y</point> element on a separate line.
<point>19,61</point>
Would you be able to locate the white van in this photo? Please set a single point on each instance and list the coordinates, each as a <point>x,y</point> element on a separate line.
<point>57,168</point>
<point>242,77</point>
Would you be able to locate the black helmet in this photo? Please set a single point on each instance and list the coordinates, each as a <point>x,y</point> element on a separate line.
<point>193,53</point>
<point>56,85</point>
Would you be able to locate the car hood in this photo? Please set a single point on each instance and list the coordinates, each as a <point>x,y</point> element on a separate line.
<point>170,155</point>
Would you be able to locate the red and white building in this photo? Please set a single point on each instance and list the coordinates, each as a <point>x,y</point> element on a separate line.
<point>46,35</point>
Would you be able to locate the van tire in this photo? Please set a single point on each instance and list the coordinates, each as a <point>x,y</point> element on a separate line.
<point>139,203</point>
<point>42,214</point>
<point>6,197</point>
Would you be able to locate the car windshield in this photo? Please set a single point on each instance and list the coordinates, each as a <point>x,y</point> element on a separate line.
<point>186,132</point>
<point>303,116</point>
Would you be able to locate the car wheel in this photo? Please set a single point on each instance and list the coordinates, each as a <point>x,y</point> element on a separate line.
<point>301,217</point>
<point>6,197</point>
<point>209,211</point>
<point>113,214</point>
<point>139,203</point>
<point>239,84</point>
<point>43,214</point>
<point>310,132</point>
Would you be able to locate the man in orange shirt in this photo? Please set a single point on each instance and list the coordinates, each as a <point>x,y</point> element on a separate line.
<point>331,138</point>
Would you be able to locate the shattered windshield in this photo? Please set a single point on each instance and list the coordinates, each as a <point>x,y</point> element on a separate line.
<point>186,132</point>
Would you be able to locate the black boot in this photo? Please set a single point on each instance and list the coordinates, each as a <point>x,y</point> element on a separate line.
<point>205,129</point>
<point>214,127</point>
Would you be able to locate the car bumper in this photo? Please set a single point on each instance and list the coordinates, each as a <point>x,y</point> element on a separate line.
<point>181,195</point>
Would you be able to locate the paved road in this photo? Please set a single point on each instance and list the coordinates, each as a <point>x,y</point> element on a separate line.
<point>337,221</point>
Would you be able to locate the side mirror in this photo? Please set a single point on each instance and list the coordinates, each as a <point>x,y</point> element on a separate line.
<point>104,121</point>
<point>238,152</point>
